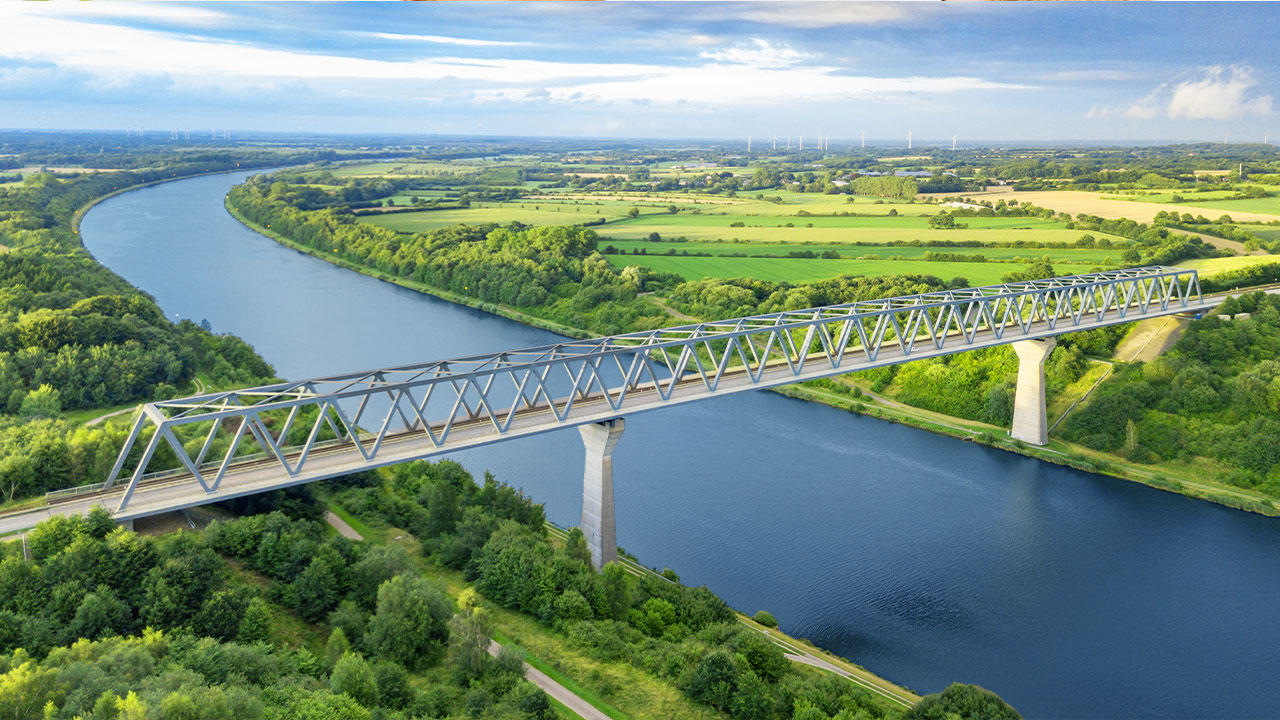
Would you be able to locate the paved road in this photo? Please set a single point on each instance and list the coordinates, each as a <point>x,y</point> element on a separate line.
<point>562,695</point>
<point>341,526</point>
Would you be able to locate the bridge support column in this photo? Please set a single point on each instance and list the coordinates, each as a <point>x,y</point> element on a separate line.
<point>1029,422</point>
<point>597,491</point>
<point>126,524</point>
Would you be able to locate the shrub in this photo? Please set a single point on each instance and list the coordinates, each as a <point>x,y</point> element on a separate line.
<point>766,618</point>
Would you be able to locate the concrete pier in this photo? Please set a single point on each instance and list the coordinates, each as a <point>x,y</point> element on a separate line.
<point>597,490</point>
<point>1029,422</point>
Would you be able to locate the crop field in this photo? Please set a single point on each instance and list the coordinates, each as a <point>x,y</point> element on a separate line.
<point>1188,197</point>
<point>637,230</point>
<point>803,270</point>
<point>402,169</point>
<point>918,222</point>
<point>1092,203</point>
<point>431,219</point>
<point>747,204</point>
<point>1087,256</point>
<point>1213,266</point>
<point>1270,233</point>
<point>1267,206</point>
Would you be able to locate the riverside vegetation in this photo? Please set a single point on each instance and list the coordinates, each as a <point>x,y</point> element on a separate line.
<point>272,615</point>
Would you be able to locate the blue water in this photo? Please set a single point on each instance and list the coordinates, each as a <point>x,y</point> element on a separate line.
<point>925,559</point>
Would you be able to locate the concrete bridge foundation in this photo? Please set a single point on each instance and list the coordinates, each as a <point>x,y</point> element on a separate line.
<point>1029,422</point>
<point>597,490</point>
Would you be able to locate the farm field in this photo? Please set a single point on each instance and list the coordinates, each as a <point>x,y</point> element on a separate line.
<point>1092,203</point>
<point>1270,233</point>
<point>747,203</point>
<point>796,270</point>
<point>636,230</point>
<point>1213,266</point>
<point>507,213</point>
<point>630,247</point>
<point>1189,197</point>
<point>919,222</point>
<point>1268,205</point>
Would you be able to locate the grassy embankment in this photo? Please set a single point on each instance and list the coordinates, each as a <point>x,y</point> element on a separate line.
<point>616,688</point>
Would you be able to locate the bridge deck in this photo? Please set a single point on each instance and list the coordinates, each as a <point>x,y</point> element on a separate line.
<point>148,495</point>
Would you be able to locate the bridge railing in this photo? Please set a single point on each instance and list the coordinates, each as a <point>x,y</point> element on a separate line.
<point>289,424</point>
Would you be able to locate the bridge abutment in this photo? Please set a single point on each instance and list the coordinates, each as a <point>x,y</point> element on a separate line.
<point>597,490</point>
<point>1030,424</point>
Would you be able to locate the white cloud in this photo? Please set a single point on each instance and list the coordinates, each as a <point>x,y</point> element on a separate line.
<point>753,72</point>
<point>443,40</point>
<point>173,13</point>
<point>1222,93</point>
<point>1219,95</point>
<point>758,53</point>
<point>803,14</point>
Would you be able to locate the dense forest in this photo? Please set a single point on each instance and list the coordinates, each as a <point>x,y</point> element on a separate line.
<point>1215,394</point>
<point>74,335</point>
<point>272,616</point>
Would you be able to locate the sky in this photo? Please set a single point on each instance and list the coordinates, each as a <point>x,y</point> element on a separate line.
<point>1178,71</point>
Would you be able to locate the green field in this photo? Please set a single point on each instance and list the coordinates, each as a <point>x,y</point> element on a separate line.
<point>1270,233</point>
<point>630,247</point>
<point>1189,197</point>
<point>1209,202</point>
<point>504,214</point>
<point>638,229</point>
<point>1268,205</point>
<point>805,270</point>
<point>920,222</point>
<point>1212,266</point>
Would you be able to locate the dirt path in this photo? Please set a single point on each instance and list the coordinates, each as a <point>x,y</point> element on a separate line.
<point>100,418</point>
<point>1150,338</point>
<point>341,526</point>
<point>670,310</point>
<point>580,707</point>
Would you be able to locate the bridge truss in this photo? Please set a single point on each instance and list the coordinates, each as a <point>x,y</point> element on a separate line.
<point>245,441</point>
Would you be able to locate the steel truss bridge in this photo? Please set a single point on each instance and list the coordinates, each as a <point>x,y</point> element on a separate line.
<point>248,441</point>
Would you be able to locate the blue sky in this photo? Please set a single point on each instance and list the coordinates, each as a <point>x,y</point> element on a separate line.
<point>999,71</point>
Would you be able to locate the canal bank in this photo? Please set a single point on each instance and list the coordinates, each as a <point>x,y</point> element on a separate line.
<point>924,558</point>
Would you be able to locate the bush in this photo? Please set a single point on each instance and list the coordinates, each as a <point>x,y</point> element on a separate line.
<point>765,618</point>
<point>962,702</point>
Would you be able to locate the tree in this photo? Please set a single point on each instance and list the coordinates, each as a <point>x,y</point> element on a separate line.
<point>766,618</point>
<point>530,700</point>
<point>616,584</point>
<point>353,676</point>
<point>351,618</point>
<point>393,684</point>
<point>337,646</point>
<point>633,212</point>
<point>962,702</point>
<point>469,642</point>
<point>410,625</point>
<point>43,402</point>
<point>221,614</point>
<point>576,547</point>
<point>255,624</point>
<point>379,564</point>
<point>100,614</point>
